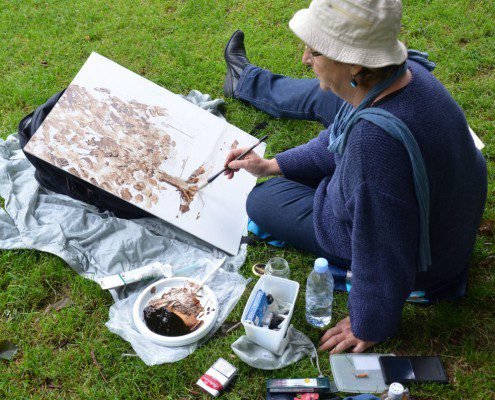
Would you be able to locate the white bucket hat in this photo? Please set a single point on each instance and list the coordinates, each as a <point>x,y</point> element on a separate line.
<point>362,32</point>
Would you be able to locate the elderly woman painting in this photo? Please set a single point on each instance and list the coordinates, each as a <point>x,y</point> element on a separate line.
<point>393,188</point>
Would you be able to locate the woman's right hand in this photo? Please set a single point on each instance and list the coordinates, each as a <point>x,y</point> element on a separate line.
<point>252,163</point>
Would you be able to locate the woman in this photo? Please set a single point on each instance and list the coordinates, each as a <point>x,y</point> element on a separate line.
<point>393,189</point>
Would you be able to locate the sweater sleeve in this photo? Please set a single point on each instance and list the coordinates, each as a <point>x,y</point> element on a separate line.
<point>309,162</point>
<point>384,261</point>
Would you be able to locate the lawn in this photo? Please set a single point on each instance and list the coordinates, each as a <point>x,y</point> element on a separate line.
<point>179,45</point>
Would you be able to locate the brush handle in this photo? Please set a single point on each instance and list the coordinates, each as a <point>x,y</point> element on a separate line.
<point>222,260</point>
<point>212,178</point>
<point>244,153</point>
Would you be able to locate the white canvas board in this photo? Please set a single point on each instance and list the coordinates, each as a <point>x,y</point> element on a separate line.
<point>140,142</point>
<point>477,141</point>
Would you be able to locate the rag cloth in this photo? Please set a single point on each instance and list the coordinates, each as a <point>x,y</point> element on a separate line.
<point>299,346</point>
<point>97,244</point>
<point>206,102</point>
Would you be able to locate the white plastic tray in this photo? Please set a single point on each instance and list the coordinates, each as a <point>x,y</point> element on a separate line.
<point>155,291</point>
<point>345,367</point>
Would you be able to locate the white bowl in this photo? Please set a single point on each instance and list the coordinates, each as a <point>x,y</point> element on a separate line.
<point>155,291</point>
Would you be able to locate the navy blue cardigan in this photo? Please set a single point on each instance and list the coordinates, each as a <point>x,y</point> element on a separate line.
<point>365,208</point>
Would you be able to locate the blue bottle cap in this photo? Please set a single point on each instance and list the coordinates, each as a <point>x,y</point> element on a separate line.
<point>321,265</point>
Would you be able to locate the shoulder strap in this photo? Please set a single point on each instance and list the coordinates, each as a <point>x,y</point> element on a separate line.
<point>398,130</point>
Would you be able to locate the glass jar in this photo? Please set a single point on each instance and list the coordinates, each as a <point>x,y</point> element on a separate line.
<point>277,266</point>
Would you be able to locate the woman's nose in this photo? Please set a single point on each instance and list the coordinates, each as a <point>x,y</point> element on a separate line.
<point>306,58</point>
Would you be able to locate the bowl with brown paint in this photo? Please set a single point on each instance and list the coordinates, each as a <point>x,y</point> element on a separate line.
<point>177,295</point>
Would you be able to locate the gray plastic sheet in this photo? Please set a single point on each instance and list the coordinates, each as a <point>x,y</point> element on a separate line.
<point>96,244</point>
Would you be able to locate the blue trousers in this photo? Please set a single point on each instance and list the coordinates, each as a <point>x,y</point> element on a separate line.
<point>284,97</point>
<point>282,207</point>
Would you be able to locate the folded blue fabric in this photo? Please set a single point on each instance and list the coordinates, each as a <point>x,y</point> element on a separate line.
<point>256,230</point>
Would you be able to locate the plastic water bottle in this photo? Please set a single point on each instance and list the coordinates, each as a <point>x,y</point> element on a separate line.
<point>319,294</point>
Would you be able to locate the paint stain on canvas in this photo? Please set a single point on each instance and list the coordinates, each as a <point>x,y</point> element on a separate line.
<point>113,144</point>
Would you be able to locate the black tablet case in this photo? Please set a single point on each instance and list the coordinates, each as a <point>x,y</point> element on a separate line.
<point>413,369</point>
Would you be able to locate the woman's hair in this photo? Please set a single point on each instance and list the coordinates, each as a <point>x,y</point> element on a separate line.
<point>370,76</point>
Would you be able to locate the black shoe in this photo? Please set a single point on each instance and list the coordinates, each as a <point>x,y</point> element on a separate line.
<point>236,59</point>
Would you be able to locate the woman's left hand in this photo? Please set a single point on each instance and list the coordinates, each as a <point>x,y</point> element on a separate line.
<point>341,338</point>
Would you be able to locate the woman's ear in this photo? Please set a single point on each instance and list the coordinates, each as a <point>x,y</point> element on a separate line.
<point>356,69</point>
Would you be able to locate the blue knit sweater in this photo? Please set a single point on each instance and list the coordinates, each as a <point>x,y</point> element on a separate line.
<point>365,208</point>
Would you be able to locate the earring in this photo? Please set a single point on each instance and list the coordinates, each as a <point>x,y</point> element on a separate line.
<point>354,83</point>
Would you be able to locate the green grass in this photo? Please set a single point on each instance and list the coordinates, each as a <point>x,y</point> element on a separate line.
<point>179,44</point>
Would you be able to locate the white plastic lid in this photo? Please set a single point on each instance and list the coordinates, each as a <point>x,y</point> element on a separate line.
<point>346,366</point>
<point>395,391</point>
<point>321,265</point>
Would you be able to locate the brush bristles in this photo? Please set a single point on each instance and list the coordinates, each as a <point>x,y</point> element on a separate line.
<point>202,186</point>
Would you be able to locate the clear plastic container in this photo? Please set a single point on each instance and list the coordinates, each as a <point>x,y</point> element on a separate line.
<point>283,290</point>
<point>319,295</point>
<point>277,266</point>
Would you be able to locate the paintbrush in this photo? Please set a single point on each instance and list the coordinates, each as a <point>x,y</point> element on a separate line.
<point>212,178</point>
<point>215,269</point>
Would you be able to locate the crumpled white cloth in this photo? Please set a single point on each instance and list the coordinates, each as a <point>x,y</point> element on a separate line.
<point>206,102</point>
<point>256,356</point>
<point>96,244</point>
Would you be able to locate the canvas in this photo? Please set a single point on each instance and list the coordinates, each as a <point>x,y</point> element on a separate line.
<point>148,146</point>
